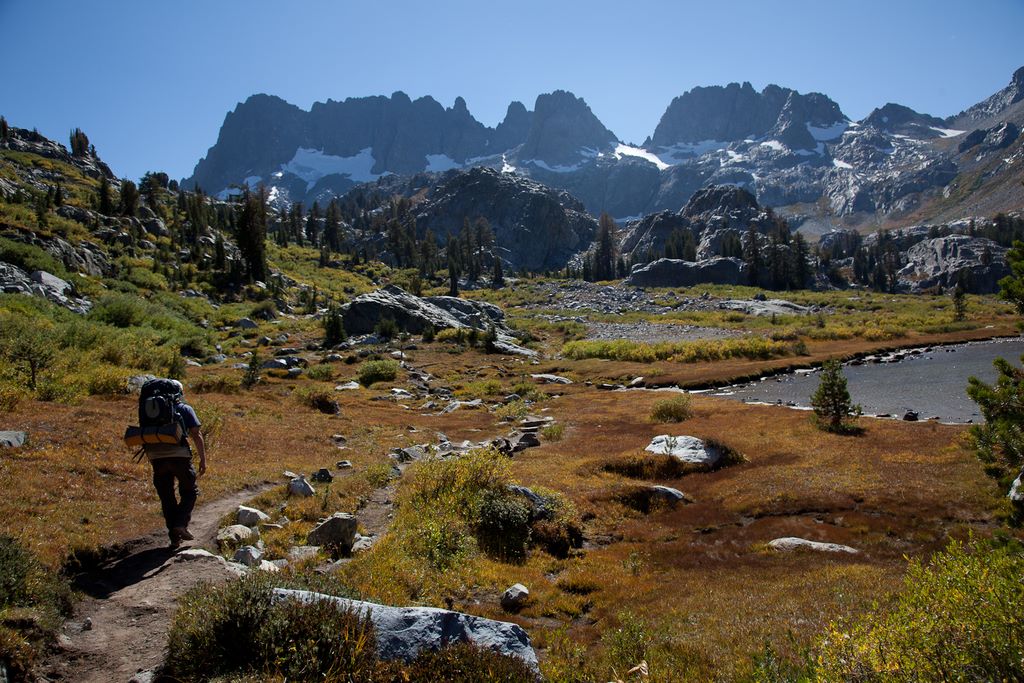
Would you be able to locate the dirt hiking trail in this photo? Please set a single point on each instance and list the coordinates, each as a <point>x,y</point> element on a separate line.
<point>129,601</point>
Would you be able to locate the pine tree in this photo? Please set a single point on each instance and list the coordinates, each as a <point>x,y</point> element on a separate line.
<point>5,130</point>
<point>252,234</point>
<point>959,303</point>
<point>498,278</point>
<point>129,198</point>
<point>334,327</point>
<point>58,196</point>
<point>604,249</point>
<point>831,400</point>
<point>332,227</point>
<point>79,143</point>
<point>219,255</point>
<point>800,269</point>
<point>252,371</point>
<point>313,225</point>
<point>752,256</point>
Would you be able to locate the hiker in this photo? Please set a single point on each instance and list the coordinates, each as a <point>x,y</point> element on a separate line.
<point>161,402</point>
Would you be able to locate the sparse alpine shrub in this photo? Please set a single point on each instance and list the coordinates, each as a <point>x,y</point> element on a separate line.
<point>322,372</point>
<point>675,409</point>
<point>375,371</point>
<point>503,525</point>
<point>386,328</point>
<point>957,618</point>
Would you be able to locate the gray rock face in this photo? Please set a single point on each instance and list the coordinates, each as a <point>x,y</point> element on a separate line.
<point>942,261</point>
<point>236,533</point>
<point>14,280</point>
<point>562,127</point>
<point>764,307</point>
<point>668,494</point>
<point>535,227</point>
<point>403,632</point>
<point>12,439</point>
<point>249,555</point>
<point>337,530</point>
<point>678,273</point>
<point>791,543</point>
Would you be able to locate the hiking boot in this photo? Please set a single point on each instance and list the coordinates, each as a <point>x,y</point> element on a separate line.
<point>174,540</point>
<point>183,534</point>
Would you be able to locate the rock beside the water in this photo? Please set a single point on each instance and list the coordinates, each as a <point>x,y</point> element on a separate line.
<point>791,543</point>
<point>300,487</point>
<point>678,273</point>
<point>686,448</point>
<point>403,632</point>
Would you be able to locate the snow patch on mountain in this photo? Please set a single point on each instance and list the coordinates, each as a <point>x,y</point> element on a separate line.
<point>832,132</point>
<point>312,164</point>
<point>436,163</point>
<point>948,132</point>
<point>627,151</point>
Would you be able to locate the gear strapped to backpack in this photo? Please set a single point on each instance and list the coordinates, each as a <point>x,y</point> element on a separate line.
<point>160,420</point>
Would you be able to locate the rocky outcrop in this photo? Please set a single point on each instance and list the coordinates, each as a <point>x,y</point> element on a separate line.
<point>791,543</point>
<point>413,314</point>
<point>564,132</point>
<point>403,632</point>
<point>534,226</point>
<point>11,439</point>
<point>14,280</point>
<point>901,120</point>
<point>678,273</point>
<point>32,142</point>
<point>944,261</point>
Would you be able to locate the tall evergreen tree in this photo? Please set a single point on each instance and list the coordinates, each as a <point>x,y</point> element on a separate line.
<point>800,269</point>
<point>252,234</point>
<point>831,400</point>
<point>313,225</point>
<point>104,203</point>
<point>604,249</point>
<point>498,278</point>
<point>752,256</point>
<point>129,198</point>
<point>79,143</point>
<point>5,130</point>
<point>332,227</point>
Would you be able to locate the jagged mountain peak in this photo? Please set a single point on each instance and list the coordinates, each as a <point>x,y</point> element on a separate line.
<point>898,118</point>
<point>563,131</point>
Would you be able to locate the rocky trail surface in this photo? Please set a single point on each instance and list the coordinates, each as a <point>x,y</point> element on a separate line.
<point>119,629</point>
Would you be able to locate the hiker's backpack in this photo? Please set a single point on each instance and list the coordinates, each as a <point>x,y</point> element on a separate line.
<point>160,420</point>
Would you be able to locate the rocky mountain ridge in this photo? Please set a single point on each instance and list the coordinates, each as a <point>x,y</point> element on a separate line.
<point>791,150</point>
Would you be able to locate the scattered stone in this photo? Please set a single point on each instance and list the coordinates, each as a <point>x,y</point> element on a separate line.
<point>246,324</point>
<point>545,378</point>
<point>275,364</point>
<point>668,494</point>
<point>249,555</point>
<point>303,552</point>
<point>250,517</point>
<point>234,534</point>
<point>268,566</point>
<point>523,440</point>
<point>636,383</point>
<point>1016,492</point>
<point>514,597</point>
<point>403,632</point>
<point>323,476</point>
<point>362,544</point>
<point>401,393</point>
<point>12,439</point>
<point>347,386</point>
<point>337,530</point>
<point>294,373</point>
<point>300,487</point>
<point>609,387</point>
<point>911,416</point>
<point>87,624</point>
<point>686,448</point>
<point>343,464</point>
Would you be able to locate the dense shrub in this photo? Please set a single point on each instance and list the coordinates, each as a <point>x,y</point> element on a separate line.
<point>321,372</point>
<point>675,409</point>
<point>386,328</point>
<point>759,348</point>
<point>30,258</point>
<point>503,525</point>
<point>957,618</point>
<point>40,596</point>
<point>375,371</point>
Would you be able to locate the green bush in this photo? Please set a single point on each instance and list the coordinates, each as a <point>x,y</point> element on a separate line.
<point>956,618</point>
<point>386,328</point>
<point>265,310</point>
<point>219,384</point>
<point>703,350</point>
<point>40,595</point>
<point>553,432</point>
<point>503,525</point>
<point>374,371</point>
<point>30,258</point>
<point>322,372</point>
<point>675,409</point>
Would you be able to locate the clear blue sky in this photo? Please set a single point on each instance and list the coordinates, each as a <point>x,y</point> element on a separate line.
<point>151,81</point>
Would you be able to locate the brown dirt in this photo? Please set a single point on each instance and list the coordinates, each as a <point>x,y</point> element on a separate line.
<point>130,600</point>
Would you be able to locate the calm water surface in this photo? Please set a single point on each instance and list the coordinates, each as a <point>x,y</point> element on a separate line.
<point>932,383</point>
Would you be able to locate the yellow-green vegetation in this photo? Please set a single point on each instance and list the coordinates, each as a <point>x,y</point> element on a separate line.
<point>675,409</point>
<point>451,513</point>
<point>678,352</point>
<point>955,619</point>
<point>289,640</point>
<point>373,371</point>
<point>29,594</point>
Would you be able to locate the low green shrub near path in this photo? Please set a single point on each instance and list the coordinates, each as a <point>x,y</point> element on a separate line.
<point>680,352</point>
<point>374,371</point>
<point>675,409</point>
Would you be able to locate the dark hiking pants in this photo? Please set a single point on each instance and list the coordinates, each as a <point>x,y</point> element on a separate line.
<point>165,472</point>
